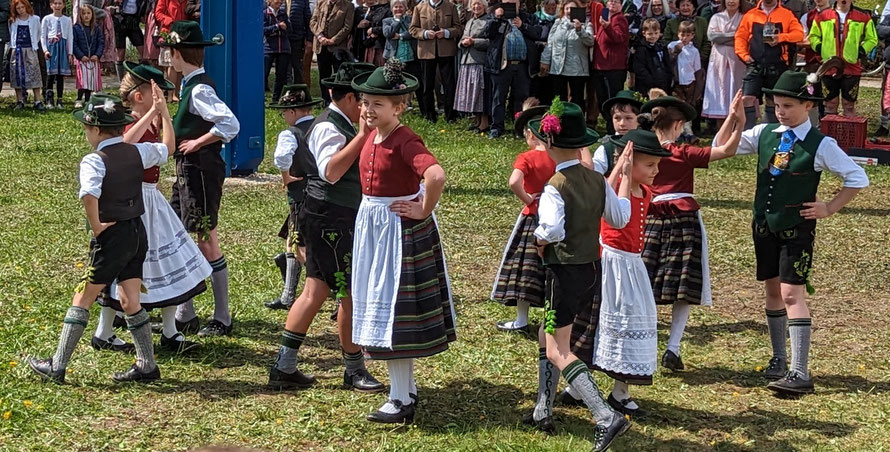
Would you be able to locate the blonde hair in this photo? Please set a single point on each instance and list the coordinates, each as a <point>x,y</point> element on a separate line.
<point>651,24</point>
<point>129,85</point>
<point>655,93</point>
<point>80,11</point>
<point>687,26</point>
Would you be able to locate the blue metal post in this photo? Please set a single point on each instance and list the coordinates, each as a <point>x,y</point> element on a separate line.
<point>237,68</point>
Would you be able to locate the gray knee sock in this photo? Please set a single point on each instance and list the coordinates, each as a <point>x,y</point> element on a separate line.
<point>548,378</point>
<point>291,279</point>
<point>777,321</point>
<point>72,329</point>
<point>769,113</point>
<point>287,352</point>
<point>186,311</point>
<point>750,117</point>
<point>354,361</point>
<point>141,331</point>
<point>219,280</point>
<point>583,383</point>
<point>800,345</point>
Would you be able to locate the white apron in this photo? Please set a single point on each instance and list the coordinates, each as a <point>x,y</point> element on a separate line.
<point>705,267</point>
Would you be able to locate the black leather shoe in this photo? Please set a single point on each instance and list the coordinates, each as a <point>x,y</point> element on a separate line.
<point>502,326</point>
<point>188,327</point>
<point>175,345</point>
<point>621,407</point>
<point>281,380</point>
<point>99,344</point>
<point>44,368</point>
<point>404,416</point>
<point>792,384</point>
<point>119,322</point>
<point>362,381</point>
<point>277,304</point>
<point>605,434</point>
<point>776,369</point>
<point>566,399</point>
<point>545,425</point>
<point>671,361</point>
<point>281,262</point>
<point>215,328</point>
<point>136,375</point>
<point>415,399</point>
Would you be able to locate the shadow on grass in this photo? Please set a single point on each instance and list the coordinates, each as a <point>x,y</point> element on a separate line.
<point>825,384</point>
<point>703,334</point>
<point>736,204</point>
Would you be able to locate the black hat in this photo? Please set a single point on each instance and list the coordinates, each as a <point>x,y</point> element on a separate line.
<point>798,85</point>
<point>147,73</point>
<point>103,110</point>
<point>644,141</point>
<point>624,96</point>
<point>295,96</point>
<point>187,33</point>
<point>525,116</point>
<point>389,80</point>
<point>348,71</point>
<point>563,126</point>
<point>670,101</point>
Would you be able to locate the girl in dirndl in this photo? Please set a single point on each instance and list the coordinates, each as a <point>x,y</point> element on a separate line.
<point>24,67</point>
<point>676,249</point>
<point>520,278</point>
<point>58,42</point>
<point>89,43</point>
<point>402,307</point>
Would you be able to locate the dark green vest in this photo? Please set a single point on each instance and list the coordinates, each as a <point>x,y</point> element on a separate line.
<point>186,124</point>
<point>779,199</point>
<point>583,191</point>
<point>609,147</point>
<point>347,192</point>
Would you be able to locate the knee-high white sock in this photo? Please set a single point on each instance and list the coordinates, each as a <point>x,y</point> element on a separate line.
<point>521,313</point>
<point>186,311</point>
<point>679,317</point>
<point>105,327</point>
<point>412,385</point>
<point>168,320</point>
<point>399,384</point>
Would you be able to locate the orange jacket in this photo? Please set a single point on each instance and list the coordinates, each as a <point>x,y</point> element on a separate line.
<point>749,36</point>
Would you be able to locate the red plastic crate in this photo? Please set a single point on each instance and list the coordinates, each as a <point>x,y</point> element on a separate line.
<point>850,132</point>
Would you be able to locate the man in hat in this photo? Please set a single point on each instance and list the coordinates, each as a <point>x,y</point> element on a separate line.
<point>327,221</point>
<point>792,156</point>
<point>202,124</point>
<point>293,159</point>
<point>111,193</point>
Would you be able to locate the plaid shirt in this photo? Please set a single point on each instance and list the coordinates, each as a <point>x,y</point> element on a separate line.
<point>516,50</point>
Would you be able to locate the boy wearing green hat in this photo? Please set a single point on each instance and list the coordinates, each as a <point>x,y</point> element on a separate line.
<point>202,124</point>
<point>623,109</point>
<point>572,201</point>
<point>293,159</point>
<point>792,156</point>
<point>111,193</point>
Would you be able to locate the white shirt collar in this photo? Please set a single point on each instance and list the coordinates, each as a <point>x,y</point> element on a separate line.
<point>109,142</point>
<point>435,4</point>
<point>186,79</point>
<point>800,131</point>
<point>305,118</point>
<point>334,107</point>
<point>567,164</point>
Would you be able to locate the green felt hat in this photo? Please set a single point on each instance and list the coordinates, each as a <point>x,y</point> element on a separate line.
<point>348,71</point>
<point>295,96</point>
<point>187,33</point>
<point>624,96</point>
<point>798,85</point>
<point>146,74</point>
<point>573,133</point>
<point>670,101</point>
<point>388,80</point>
<point>525,116</point>
<point>644,141</point>
<point>103,110</point>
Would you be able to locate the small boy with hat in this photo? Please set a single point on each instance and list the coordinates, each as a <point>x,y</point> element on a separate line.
<point>792,156</point>
<point>202,124</point>
<point>111,193</point>
<point>293,159</point>
<point>571,199</point>
<point>623,108</point>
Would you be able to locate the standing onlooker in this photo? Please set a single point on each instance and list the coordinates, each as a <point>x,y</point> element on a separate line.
<point>24,66</point>
<point>89,42</point>
<point>546,15</point>
<point>652,61</point>
<point>330,25</point>
<point>812,60</point>
<point>56,37</point>
<point>660,11</point>
<point>610,57</point>
<point>436,27</point>
<point>399,42</point>
<point>707,10</point>
<point>276,45</point>
<point>127,18</point>
<point>686,12</point>
<point>464,12</point>
<point>472,89</point>
<point>565,55</point>
<point>725,69</point>
<point>797,7</point>
<point>689,76</point>
<point>359,26</point>
<point>167,12</point>
<point>151,34</point>
<point>298,15</point>
<point>193,10</point>
<point>374,40</point>
<point>4,37</point>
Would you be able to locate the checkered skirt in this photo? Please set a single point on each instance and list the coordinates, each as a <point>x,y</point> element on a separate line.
<point>521,275</point>
<point>673,256</point>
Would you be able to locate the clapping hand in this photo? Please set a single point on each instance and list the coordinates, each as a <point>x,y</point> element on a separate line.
<point>626,160</point>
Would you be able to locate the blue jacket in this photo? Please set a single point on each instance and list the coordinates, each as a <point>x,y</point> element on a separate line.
<point>81,48</point>
<point>299,20</point>
<point>275,40</point>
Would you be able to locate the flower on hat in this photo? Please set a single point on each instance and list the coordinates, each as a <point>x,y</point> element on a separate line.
<point>89,118</point>
<point>392,73</point>
<point>550,124</point>
<point>108,106</point>
<point>810,86</point>
<point>639,97</point>
<point>516,116</point>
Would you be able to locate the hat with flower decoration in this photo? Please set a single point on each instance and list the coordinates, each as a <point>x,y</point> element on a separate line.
<point>798,85</point>
<point>295,96</point>
<point>563,126</point>
<point>104,110</point>
<point>389,80</point>
<point>185,34</point>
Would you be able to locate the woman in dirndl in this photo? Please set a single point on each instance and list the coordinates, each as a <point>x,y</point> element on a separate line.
<point>676,249</point>
<point>472,94</point>
<point>24,66</point>
<point>402,306</point>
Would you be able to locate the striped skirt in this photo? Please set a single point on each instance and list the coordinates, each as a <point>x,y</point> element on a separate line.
<point>470,91</point>
<point>521,275</point>
<point>674,253</point>
<point>587,321</point>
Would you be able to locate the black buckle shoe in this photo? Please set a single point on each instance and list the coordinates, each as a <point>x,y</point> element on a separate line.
<point>44,368</point>
<point>621,407</point>
<point>135,375</point>
<point>502,326</point>
<point>100,344</point>
<point>281,380</point>
<point>792,384</point>
<point>776,369</point>
<point>672,361</point>
<point>361,381</point>
<point>176,345</point>
<point>216,328</point>
<point>545,425</point>
<point>188,327</point>
<point>280,260</point>
<point>566,399</point>
<point>277,304</point>
<point>404,416</point>
<point>605,434</point>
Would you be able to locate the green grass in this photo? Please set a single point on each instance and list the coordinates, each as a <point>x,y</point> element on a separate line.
<point>474,395</point>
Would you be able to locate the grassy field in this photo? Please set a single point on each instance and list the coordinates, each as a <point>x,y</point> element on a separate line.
<point>473,395</point>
